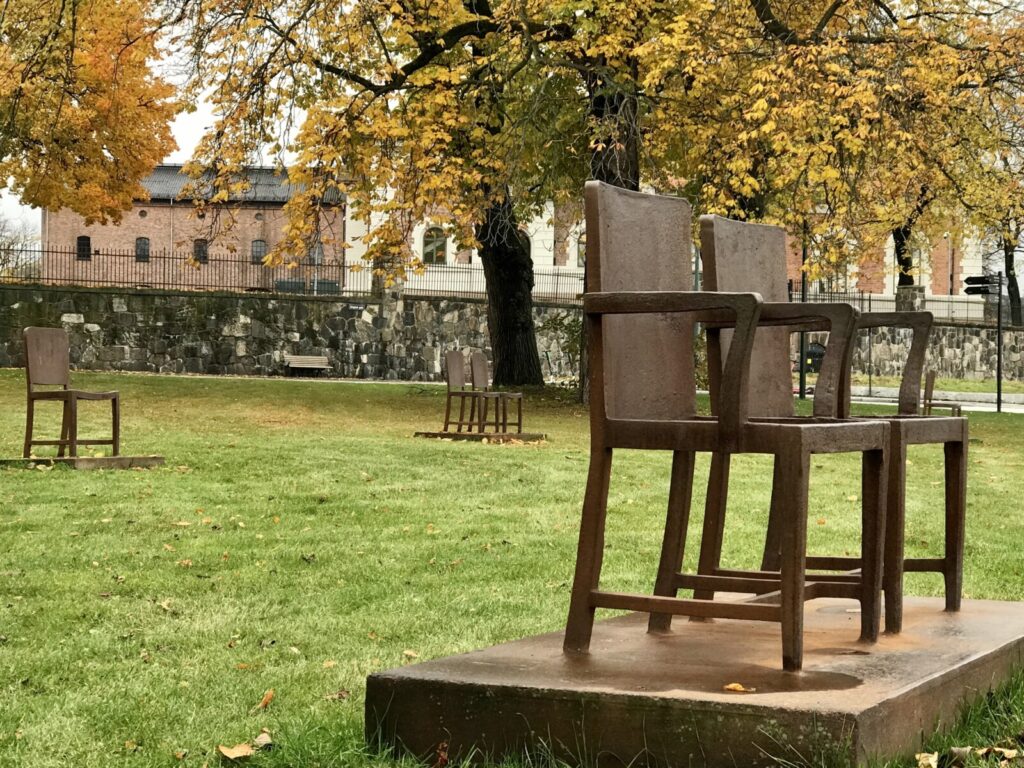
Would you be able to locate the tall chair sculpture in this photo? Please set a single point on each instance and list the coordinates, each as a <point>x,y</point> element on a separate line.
<point>741,256</point>
<point>641,310</point>
<point>47,363</point>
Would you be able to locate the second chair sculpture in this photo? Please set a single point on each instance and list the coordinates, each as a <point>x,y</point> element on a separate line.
<point>752,257</point>
<point>482,383</point>
<point>48,363</point>
<point>641,309</point>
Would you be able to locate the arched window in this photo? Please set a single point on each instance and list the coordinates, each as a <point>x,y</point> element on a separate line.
<point>524,237</point>
<point>435,246</point>
<point>83,248</point>
<point>259,250</point>
<point>142,249</point>
<point>200,251</point>
<point>581,250</point>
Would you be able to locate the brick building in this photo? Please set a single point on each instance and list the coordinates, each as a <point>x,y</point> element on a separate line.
<point>163,242</point>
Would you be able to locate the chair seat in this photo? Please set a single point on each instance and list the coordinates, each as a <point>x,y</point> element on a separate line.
<point>761,435</point>
<point>65,394</point>
<point>915,429</point>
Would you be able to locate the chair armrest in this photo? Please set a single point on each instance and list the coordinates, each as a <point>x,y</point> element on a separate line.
<point>840,320</point>
<point>744,307</point>
<point>920,323</point>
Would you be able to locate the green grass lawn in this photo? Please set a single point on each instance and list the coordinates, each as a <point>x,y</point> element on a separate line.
<point>299,539</point>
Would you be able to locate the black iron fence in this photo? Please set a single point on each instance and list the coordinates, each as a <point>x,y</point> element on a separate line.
<point>965,309</point>
<point>231,272</point>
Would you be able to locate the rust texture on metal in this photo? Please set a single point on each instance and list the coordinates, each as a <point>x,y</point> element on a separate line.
<point>47,364</point>
<point>641,308</point>
<point>751,257</point>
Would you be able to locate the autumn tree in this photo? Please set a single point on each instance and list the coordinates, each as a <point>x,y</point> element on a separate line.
<point>83,117</point>
<point>844,117</point>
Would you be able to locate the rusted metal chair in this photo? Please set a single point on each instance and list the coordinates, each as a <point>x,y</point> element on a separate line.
<point>47,363</point>
<point>641,309</point>
<point>742,256</point>
<point>482,383</point>
<point>458,389</point>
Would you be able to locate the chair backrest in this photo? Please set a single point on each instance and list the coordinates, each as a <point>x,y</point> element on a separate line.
<point>455,369</point>
<point>738,257</point>
<point>929,392</point>
<point>641,242</point>
<point>478,371</point>
<point>47,357</point>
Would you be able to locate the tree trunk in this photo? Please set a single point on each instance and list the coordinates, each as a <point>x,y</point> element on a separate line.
<point>901,246</point>
<point>1012,289</point>
<point>508,270</point>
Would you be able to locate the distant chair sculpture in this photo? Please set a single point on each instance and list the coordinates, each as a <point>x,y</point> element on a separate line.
<point>455,375</point>
<point>928,401</point>
<point>752,257</point>
<point>482,383</point>
<point>47,363</point>
<point>641,307</point>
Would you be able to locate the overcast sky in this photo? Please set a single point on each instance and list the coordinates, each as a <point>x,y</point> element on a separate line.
<point>187,129</point>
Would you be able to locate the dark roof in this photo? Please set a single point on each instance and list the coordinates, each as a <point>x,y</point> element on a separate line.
<point>266,185</point>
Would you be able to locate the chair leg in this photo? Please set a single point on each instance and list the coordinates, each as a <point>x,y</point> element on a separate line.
<point>673,546</point>
<point>73,427</point>
<point>895,523</point>
<point>714,521</point>
<point>462,413</point>
<point>770,558</point>
<point>447,411</point>
<point>590,552</point>
<point>64,424</point>
<point>29,420</point>
<point>956,506</point>
<point>115,415</point>
<point>483,415</point>
<point>519,415</point>
<point>504,414</point>
<point>794,472</point>
<point>874,478</point>
<point>472,410</point>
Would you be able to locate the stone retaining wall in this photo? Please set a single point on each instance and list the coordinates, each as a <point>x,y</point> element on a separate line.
<point>398,338</point>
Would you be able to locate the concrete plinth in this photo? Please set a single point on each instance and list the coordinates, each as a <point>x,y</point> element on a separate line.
<point>641,698</point>
<point>490,437</point>
<point>86,462</point>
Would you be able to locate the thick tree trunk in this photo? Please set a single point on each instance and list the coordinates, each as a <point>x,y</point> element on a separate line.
<point>901,247</point>
<point>1012,288</point>
<point>508,270</point>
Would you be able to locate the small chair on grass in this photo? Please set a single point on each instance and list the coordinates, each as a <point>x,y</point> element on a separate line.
<point>455,375</point>
<point>928,402</point>
<point>47,363</point>
<point>482,384</point>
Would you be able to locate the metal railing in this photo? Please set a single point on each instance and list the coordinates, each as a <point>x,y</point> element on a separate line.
<point>236,273</point>
<point>960,309</point>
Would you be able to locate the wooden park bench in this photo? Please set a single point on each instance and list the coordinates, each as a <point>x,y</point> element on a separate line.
<point>306,362</point>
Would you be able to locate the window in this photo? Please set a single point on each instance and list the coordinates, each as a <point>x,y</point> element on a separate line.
<point>142,249</point>
<point>259,250</point>
<point>83,248</point>
<point>201,251</point>
<point>581,250</point>
<point>435,246</point>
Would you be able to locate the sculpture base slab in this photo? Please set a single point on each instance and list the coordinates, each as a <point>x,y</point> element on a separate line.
<point>86,462</point>
<point>660,699</point>
<point>490,437</point>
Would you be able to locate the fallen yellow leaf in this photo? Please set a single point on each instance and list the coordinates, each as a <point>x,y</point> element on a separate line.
<point>737,688</point>
<point>236,752</point>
